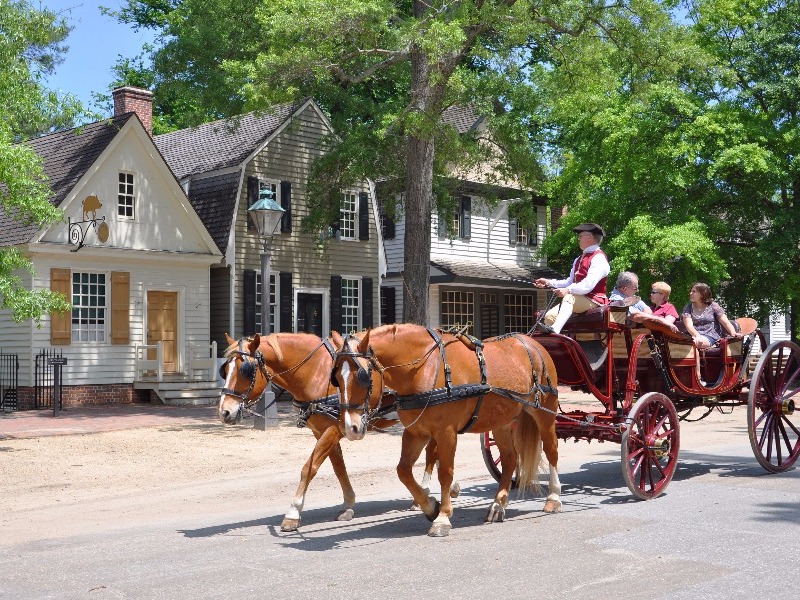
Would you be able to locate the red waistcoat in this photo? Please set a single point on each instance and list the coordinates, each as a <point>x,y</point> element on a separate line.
<point>598,294</point>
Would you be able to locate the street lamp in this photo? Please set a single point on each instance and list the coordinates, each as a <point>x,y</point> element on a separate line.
<point>266,214</point>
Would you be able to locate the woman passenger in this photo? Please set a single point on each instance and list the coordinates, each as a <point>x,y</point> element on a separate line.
<point>704,319</point>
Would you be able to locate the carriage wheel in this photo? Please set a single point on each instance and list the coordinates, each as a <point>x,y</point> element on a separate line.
<point>772,422</point>
<point>650,446</point>
<point>491,457</point>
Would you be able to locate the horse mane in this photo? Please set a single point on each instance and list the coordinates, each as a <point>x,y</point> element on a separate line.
<point>272,342</point>
<point>234,347</point>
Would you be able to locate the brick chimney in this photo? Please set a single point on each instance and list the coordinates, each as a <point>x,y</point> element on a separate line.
<point>132,99</point>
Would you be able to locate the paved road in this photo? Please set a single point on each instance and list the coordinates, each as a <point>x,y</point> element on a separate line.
<point>724,529</point>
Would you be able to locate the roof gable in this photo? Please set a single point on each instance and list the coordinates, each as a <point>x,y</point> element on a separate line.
<point>66,157</point>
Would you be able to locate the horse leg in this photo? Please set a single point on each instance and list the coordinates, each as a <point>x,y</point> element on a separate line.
<point>504,439</point>
<point>550,447</point>
<point>411,449</point>
<point>431,456</point>
<point>327,441</point>
<point>446,441</point>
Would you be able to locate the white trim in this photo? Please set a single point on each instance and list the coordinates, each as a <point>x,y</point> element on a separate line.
<point>382,262</point>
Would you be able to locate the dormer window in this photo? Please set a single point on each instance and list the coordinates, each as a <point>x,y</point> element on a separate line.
<point>126,201</point>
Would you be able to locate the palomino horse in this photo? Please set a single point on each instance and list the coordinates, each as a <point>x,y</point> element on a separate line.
<point>444,387</point>
<point>300,363</point>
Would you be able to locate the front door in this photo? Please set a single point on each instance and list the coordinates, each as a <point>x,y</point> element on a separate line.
<point>162,326</point>
<point>309,313</point>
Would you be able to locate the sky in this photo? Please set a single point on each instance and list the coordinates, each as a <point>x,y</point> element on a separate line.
<point>94,44</point>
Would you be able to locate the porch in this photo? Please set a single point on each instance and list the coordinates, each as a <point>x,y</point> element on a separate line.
<point>196,385</point>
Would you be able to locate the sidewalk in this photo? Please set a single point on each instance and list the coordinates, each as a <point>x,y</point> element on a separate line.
<point>113,417</point>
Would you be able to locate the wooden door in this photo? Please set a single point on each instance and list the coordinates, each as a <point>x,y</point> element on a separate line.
<point>162,326</point>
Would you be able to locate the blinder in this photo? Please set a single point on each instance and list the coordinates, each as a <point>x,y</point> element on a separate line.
<point>334,381</point>
<point>363,378</point>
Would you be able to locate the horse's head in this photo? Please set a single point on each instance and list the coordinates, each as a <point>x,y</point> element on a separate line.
<point>357,375</point>
<point>245,376</point>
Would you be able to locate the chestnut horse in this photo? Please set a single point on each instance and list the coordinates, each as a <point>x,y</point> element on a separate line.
<point>301,364</point>
<point>444,387</point>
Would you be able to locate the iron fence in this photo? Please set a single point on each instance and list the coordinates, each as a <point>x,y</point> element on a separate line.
<point>44,377</point>
<point>9,377</point>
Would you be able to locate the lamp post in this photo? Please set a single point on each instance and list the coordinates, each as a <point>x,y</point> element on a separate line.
<point>266,214</point>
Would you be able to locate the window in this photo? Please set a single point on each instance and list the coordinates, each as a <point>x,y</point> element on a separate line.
<point>125,198</point>
<point>88,307</point>
<point>519,312</point>
<point>458,309</point>
<point>272,302</point>
<point>348,216</point>
<point>350,304</point>
<point>459,224</point>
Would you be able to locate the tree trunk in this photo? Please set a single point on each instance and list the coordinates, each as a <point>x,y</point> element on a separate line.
<point>417,247</point>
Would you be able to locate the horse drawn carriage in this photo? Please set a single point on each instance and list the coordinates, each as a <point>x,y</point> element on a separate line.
<point>648,379</point>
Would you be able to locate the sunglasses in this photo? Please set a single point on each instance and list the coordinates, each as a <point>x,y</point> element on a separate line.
<point>654,292</point>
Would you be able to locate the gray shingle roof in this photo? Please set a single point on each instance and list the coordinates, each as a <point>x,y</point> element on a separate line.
<point>66,156</point>
<point>214,199</point>
<point>463,118</point>
<point>475,271</point>
<point>220,144</point>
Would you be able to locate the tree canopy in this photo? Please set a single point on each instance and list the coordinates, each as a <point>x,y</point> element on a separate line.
<point>690,159</point>
<point>29,49</point>
<point>673,123</point>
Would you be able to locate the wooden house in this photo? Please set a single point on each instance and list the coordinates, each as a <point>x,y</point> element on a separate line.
<point>224,166</point>
<point>133,258</point>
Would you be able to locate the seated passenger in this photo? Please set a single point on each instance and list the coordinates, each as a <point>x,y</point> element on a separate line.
<point>585,287</point>
<point>663,311</point>
<point>624,293</point>
<point>704,319</point>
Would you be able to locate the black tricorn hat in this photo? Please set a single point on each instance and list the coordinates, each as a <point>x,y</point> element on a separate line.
<point>590,227</point>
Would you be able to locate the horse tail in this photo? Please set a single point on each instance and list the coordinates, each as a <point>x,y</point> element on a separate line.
<point>528,444</point>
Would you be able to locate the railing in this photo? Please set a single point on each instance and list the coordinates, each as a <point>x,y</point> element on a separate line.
<point>203,358</point>
<point>143,364</point>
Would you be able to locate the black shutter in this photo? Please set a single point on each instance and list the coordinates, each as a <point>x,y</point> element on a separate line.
<point>512,232</point>
<point>387,224</point>
<point>466,217</point>
<point>388,314</point>
<point>249,325</point>
<point>442,223</point>
<point>363,216</point>
<point>253,189</point>
<point>336,303</point>
<point>366,302</point>
<point>286,205</point>
<point>286,298</point>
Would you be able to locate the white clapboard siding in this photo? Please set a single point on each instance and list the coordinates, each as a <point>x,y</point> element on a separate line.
<point>106,363</point>
<point>288,157</point>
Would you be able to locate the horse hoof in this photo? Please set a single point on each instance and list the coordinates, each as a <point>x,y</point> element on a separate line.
<point>345,515</point>
<point>496,514</point>
<point>290,524</point>
<point>552,506</point>
<point>439,530</point>
<point>455,490</point>
<point>436,507</point>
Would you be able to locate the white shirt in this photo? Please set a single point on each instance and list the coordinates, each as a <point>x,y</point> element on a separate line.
<point>598,269</point>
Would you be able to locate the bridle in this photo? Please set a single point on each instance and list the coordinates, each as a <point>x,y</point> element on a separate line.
<point>248,370</point>
<point>363,376</point>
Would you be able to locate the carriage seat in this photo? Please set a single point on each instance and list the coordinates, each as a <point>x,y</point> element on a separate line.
<point>597,319</point>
